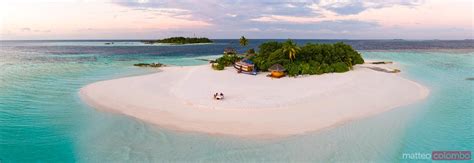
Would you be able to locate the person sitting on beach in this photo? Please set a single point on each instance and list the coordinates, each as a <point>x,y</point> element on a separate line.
<point>219,96</point>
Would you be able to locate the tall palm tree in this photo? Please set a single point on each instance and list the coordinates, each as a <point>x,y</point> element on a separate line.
<point>243,41</point>
<point>291,49</point>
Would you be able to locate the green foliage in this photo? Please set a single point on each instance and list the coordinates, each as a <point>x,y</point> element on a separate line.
<point>263,59</point>
<point>290,48</point>
<point>305,68</point>
<point>310,58</point>
<point>141,64</point>
<point>328,69</point>
<point>148,64</point>
<point>218,67</point>
<point>243,41</point>
<point>251,51</point>
<point>340,67</point>
<point>292,69</point>
<point>263,65</point>
<point>269,47</point>
<point>315,68</point>
<point>180,40</point>
<point>227,60</point>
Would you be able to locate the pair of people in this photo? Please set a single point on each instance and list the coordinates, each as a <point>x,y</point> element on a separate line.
<point>219,96</point>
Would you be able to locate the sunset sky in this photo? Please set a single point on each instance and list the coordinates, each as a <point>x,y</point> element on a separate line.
<point>323,19</point>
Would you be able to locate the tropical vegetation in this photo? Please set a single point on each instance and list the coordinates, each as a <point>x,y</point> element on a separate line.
<point>311,58</point>
<point>308,59</point>
<point>148,64</point>
<point>226,60</point>
<point>180,40</point>
<point>243,41</point>
<point>290,48</point>
<point>251,51</point>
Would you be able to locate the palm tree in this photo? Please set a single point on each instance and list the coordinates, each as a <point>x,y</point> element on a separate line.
<point>291,48</point>
<point>243,41</point>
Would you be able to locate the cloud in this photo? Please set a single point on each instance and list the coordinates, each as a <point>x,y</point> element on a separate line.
<point>233,18</point>
<point>335,26</point>
<point>42,31</point>
<point>223,11</point>
<point>215,11</point>
<point>28,29</point>
<point>25,29</point>
<point>347,7</point>
<point>279,18</point>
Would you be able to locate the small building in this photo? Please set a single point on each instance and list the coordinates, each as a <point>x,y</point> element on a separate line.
<point>277,71</point>
<point>246,66</point>
<point>230,50</point>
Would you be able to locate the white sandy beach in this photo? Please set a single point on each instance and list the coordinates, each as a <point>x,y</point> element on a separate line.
<point>181,98</point>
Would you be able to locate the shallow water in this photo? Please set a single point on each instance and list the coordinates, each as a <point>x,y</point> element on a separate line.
<point>42,118</point>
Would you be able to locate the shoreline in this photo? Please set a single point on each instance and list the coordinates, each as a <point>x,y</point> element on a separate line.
<point>315,103</point>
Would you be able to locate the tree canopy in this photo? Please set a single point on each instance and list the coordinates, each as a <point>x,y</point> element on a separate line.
<point>290,48</point>
<point>308,59</point>
<point>243,41</point>
<point>311,58</point>
<point>180,40</point>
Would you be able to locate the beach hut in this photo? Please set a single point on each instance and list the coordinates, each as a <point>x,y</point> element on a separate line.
<point>246,66</point>
<point>277,71</point>
<point>230,50</point>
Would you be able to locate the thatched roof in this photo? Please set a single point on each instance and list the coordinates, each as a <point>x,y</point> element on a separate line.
<point>276,67</point>
<point>230,50</point>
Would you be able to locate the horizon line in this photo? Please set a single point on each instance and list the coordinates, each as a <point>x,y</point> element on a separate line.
<point>467,39</point>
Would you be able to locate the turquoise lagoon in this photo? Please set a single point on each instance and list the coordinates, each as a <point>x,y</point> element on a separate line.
<point>42,118</point>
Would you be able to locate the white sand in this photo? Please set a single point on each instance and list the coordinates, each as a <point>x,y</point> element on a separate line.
<point>180,98</point>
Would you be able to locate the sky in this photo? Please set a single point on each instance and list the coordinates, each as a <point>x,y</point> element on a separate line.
<point>224,19</point>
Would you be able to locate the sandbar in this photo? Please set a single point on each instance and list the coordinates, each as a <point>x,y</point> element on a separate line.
<point>181,98</point>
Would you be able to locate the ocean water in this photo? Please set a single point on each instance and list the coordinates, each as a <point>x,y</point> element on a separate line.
<point>42,118</point>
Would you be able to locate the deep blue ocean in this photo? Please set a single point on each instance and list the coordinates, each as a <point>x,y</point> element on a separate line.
<point>42,118</point>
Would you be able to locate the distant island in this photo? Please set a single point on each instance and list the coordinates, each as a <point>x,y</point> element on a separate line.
<point>149,65</point>
<point>180,40</point>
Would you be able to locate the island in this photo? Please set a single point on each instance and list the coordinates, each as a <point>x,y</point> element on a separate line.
<point>329,87</point>
<point>311,59</point>
<point>180,40</point>
<point>155,65</point>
